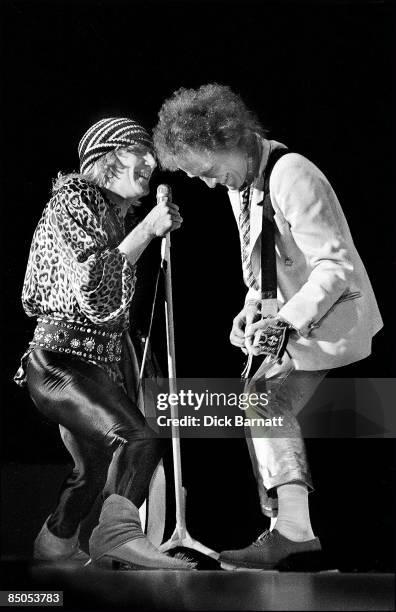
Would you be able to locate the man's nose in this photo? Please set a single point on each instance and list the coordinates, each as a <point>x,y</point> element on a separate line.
<point>210,182</point>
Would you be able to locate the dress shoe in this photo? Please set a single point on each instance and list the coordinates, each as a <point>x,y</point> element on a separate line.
<point>269,551</point>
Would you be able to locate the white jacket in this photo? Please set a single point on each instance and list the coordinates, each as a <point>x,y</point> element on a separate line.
<point>323,287</point>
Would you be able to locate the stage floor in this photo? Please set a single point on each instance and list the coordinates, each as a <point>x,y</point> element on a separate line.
<point>91,588</point>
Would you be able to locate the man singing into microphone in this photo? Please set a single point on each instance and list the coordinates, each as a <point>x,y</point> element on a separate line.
<point>80,367</point>
<point>322,314</point>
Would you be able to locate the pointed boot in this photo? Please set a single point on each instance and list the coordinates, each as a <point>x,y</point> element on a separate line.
<point>48,547</point>
<point>118,540</point>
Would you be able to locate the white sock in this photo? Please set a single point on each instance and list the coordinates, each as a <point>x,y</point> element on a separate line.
<point>293,520</point>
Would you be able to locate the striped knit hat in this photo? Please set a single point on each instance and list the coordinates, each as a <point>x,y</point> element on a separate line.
<point>109,134</point>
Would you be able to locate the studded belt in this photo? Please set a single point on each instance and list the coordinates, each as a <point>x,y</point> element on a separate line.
<point>71,338</point>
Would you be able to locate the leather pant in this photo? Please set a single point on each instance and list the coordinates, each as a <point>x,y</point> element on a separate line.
<point>112,447</point>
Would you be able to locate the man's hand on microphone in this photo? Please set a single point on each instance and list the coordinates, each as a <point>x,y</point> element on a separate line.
<point>163,218</point>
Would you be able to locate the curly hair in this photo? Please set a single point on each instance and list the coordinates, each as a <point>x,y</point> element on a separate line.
<point>210,118</point>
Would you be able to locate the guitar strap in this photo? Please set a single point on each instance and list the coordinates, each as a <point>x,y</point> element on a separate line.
<point>269,304</point>
<point>268,256</point>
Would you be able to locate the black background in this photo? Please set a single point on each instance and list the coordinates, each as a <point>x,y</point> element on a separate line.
<point>318,74</point>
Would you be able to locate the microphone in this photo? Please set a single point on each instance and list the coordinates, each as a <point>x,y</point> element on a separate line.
<point>164,194</point>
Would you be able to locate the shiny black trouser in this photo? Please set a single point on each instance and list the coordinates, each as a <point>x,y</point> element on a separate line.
<point>112,447</point>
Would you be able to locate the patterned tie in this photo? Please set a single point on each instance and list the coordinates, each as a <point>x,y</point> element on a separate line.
<point>244,231</point>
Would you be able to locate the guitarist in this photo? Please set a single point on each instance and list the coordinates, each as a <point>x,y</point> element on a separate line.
<point>309,306</point>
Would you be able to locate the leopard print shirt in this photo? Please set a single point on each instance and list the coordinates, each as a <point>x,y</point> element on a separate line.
<point>74,269</point>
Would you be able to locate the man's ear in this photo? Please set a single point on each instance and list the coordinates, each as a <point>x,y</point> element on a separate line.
<point>121,157</point>
<point>120,154</point>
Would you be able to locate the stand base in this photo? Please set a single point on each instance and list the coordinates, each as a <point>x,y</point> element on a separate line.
<point>182,538</point>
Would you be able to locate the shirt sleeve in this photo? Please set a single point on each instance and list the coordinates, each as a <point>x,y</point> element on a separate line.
<point>309,205</point>
<point>102,279</point>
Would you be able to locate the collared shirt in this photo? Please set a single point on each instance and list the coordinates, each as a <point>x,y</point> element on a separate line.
<point>257,187</point>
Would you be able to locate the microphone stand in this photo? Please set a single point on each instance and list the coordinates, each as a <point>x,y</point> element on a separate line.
<point>180,536</point>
